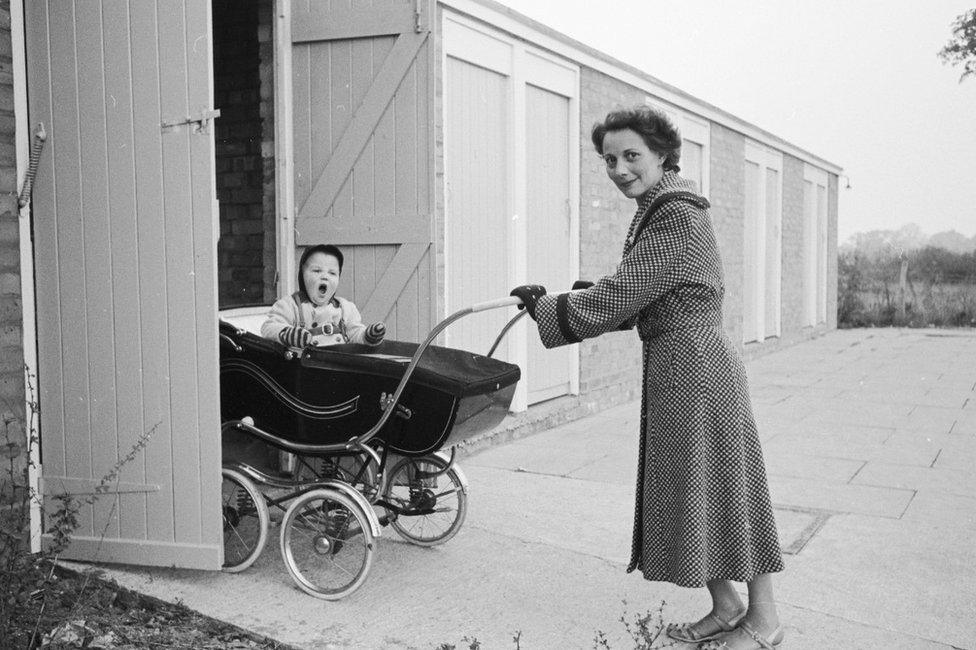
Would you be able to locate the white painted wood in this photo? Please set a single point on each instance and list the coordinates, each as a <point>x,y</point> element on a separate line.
<point>762,252</point>
<point>478,209</point>
<point>753,260</point>
<point>814,245</point>
<point>284,151</point>
<point>126,296</point>
<point>774,251</point>
<point>22,135</point>
<point>549,220</point>
<point>362,153</point>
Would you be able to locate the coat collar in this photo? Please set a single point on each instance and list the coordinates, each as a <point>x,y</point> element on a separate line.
<point>671,184</point>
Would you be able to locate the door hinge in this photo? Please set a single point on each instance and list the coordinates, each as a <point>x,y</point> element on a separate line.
<point>200,122</point>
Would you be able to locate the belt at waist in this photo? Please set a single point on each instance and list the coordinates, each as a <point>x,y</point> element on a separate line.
<point>680,321</point>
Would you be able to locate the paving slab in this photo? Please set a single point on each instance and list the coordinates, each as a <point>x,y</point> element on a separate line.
<point>959,482</point>
<point>883,502</point>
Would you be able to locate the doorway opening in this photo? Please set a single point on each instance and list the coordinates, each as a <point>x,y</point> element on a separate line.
<point>243,71</point>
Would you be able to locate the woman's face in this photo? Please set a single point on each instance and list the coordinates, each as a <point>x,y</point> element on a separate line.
<point>631,165</point>
<point>321,277</point>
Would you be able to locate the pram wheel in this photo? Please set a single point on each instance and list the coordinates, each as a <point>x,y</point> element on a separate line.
<point>327,543</point>
<point>435,501</point>
<point>245,516</point>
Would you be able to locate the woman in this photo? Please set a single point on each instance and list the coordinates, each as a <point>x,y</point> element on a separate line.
<point>703,515</point>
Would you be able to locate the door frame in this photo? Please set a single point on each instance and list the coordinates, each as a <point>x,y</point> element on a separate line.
<point>284,151</point>
<point>22,135</point>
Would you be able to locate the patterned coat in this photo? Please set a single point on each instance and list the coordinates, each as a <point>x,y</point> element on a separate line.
<point>702,505</point>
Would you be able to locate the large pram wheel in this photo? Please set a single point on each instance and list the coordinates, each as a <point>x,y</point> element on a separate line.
<point>245,516</point>
<point>435,501</point>
<point>327,543</point>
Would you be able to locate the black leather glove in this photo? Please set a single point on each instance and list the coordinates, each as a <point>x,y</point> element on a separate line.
<point>530,294</point>
<point>582,284</point>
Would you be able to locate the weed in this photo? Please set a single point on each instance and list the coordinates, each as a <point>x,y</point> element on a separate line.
<point>27,578</point>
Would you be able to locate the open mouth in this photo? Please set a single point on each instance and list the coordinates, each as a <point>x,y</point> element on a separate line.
<point>323,288</point>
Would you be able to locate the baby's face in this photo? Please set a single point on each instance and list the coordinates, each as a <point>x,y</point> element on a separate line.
<point>321,277</point>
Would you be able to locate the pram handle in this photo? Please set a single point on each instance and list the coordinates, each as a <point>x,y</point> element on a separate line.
<point>508,301</point>
<point>494,304</point>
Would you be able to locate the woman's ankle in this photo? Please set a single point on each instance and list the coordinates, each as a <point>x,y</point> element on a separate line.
<point>762,617</point>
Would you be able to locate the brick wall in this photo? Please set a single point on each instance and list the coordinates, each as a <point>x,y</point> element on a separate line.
<point>240,167</point>
<point>792,282</point>
<point>266,111</point>
<point>728,198</point>
<point>11,314</point>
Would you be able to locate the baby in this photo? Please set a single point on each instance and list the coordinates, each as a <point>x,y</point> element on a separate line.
<point>314,314</point>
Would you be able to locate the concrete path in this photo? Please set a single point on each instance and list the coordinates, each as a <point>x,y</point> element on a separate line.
<point>870,442</point>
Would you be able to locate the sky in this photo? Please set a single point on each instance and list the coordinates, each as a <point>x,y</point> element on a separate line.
<point>856,82</point>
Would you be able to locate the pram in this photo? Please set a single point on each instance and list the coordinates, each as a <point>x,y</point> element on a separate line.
<point>334,419</point>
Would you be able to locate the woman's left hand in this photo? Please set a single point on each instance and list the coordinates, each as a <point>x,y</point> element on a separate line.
<point>529,294</point>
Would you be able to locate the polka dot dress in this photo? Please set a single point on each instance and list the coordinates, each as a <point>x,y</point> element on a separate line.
<point>702,504</point>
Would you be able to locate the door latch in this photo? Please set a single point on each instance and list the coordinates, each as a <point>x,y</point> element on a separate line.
<point>200,122</point>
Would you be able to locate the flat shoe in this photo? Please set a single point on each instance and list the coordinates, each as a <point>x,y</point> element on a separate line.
<point>683,632</point>
<point>771,642</point>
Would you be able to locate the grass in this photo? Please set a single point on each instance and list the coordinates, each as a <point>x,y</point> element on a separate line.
<point>926,305</point>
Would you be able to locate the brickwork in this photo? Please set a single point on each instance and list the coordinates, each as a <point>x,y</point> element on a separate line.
<point>792,282</point>
<point>11,313</point>
<point>240,167</point>
<point>728,199</point>
<point>267,113</point>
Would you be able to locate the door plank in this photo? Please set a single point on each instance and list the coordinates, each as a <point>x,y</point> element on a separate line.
<point>394,279</point>
<point>358,132</point>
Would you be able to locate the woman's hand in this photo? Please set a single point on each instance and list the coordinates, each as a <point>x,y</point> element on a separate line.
<point>529,294</point>
<point>295,337</point>
<point>374,333</point>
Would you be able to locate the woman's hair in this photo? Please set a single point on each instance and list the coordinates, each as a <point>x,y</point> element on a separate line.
<point>653,126</point>
<point>327,249</point>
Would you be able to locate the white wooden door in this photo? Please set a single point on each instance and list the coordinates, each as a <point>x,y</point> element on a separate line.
<point>549,219</point>
<point>356,150</point>
<point>478,199</point>
<point>124,225</point>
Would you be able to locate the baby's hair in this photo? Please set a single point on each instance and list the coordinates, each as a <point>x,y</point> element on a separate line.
<point>327,249</point>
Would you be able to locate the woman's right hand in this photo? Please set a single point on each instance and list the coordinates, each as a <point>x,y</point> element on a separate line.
<point>295,337</point>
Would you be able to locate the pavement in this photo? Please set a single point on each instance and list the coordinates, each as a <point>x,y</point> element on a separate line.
<point>870,443</point>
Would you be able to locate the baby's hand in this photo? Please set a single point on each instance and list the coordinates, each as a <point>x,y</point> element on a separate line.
<point>296,337</point>
<point>374,334</point>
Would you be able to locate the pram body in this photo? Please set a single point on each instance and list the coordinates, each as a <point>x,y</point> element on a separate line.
<point>368,428</point>
<point>329,395</point>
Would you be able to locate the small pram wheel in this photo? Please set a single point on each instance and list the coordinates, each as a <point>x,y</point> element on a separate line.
<point>327,543</point>
<point>245,517</point>
<point>438,500</point>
